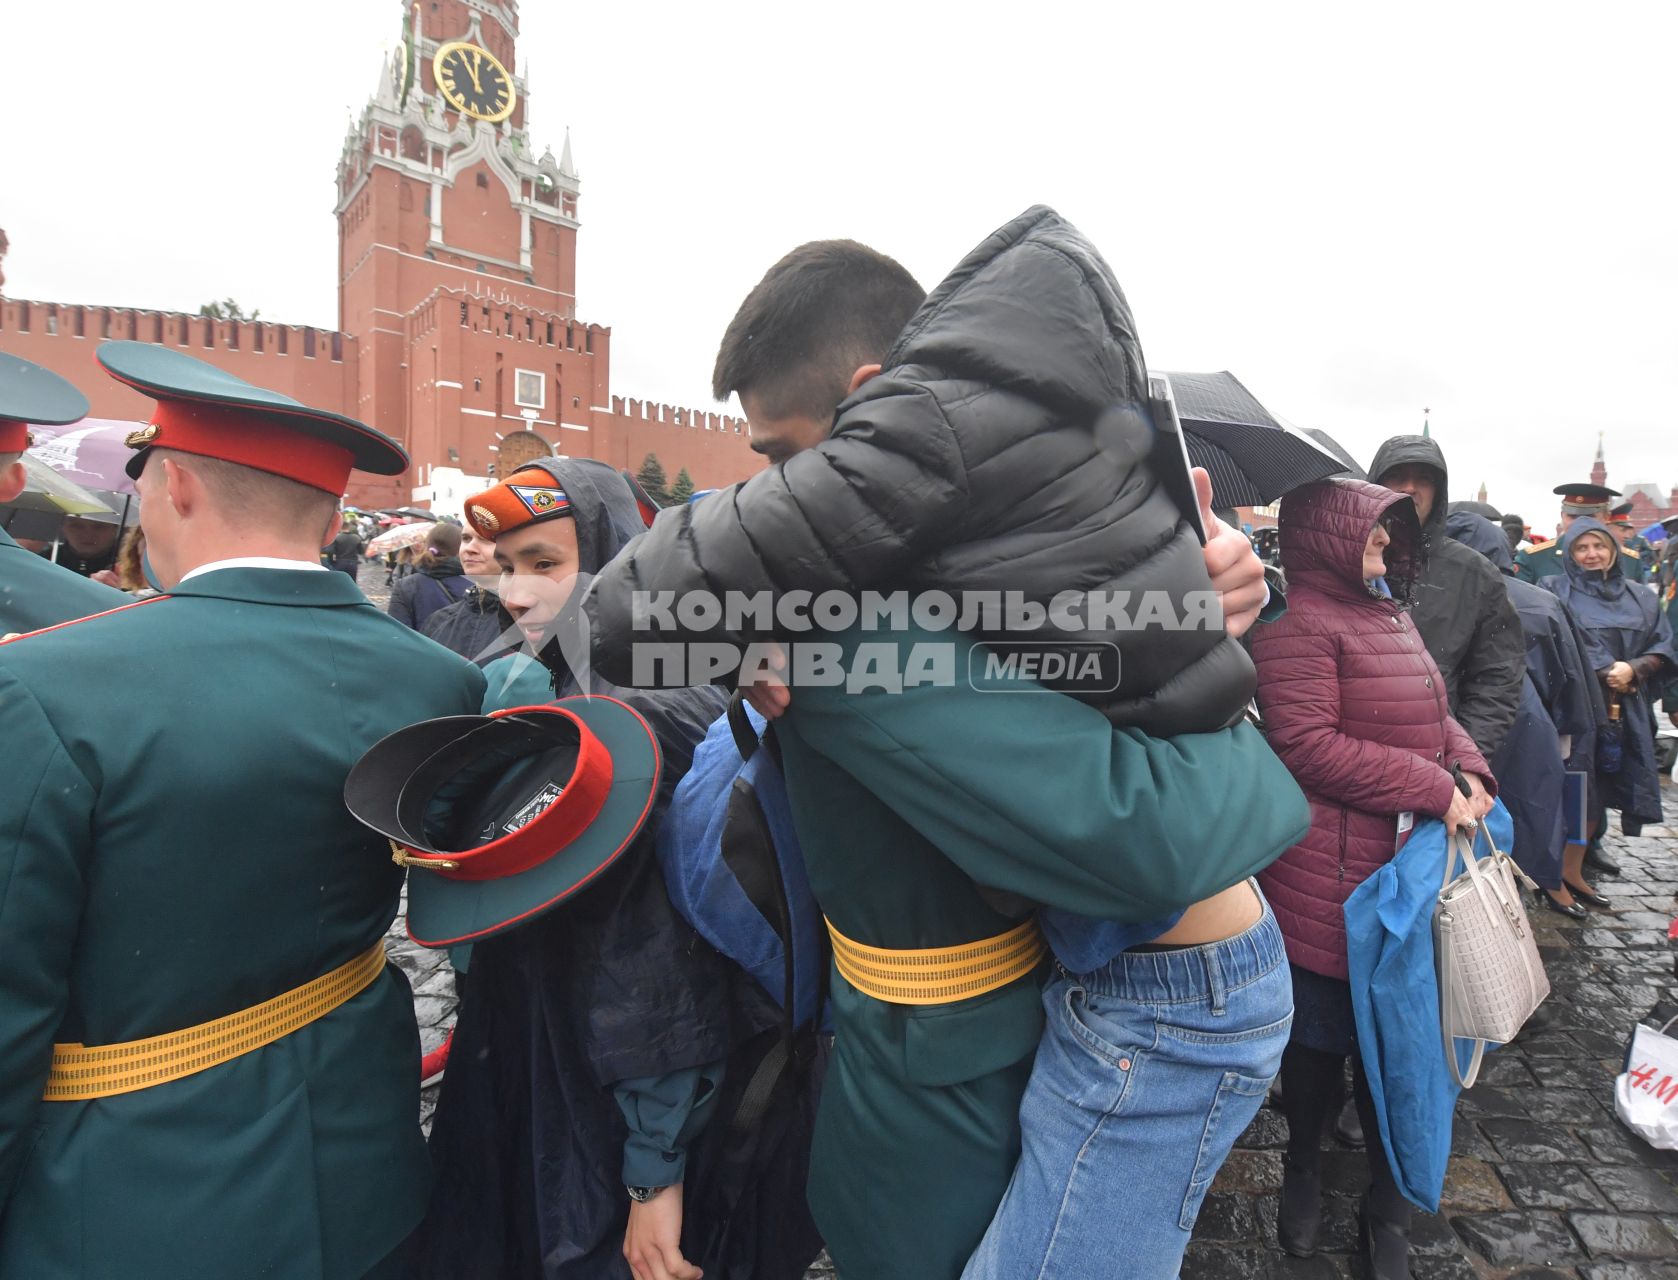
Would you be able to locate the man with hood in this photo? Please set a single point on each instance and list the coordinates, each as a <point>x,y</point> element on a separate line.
<point>1462,611</point>
<point>584,1129</point>
<point>1561,707</point>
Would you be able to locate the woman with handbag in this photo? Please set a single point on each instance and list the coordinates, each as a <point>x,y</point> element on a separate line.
<point>1629,645</point>
<point>1356,709</point>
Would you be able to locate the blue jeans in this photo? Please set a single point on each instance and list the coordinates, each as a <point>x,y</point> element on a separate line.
<point>1148,1071</point>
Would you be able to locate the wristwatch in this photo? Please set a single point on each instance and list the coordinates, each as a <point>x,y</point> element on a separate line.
<point>642,1194</point>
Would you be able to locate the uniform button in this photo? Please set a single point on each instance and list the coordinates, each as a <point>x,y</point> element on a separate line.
<point>1429,682</point>
<point>1439,755</point>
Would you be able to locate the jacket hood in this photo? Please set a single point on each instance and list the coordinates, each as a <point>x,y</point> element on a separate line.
<point>1605,582</point>
<point>1479,534</point>
<point>1417,451</point>
<point>1034,309</point>
<point>1484,509</point>
<point>602,505</point>
<point>1325,526</point>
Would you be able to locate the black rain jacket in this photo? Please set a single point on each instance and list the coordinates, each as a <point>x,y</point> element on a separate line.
<point>972,463</point>
<point>1463,612</point>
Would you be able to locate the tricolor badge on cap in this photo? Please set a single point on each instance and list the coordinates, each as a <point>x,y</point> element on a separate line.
<point>541,502</point>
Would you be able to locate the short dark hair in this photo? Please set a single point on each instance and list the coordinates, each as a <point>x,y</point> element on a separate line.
<point>252,497</point>
<point>819,314</point>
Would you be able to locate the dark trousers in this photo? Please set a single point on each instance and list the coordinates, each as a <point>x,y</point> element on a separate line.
<point>1311,1094</point>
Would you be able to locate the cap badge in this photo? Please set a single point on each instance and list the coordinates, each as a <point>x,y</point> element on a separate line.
<point>484,517</point>
<point>141,438</point>
<point>540,501</point>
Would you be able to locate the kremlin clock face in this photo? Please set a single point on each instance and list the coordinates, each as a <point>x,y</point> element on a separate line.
<point>473,82</point>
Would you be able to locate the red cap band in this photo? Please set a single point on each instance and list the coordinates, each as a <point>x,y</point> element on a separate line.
<point>250,438</point>
<point>14,436</point>
<point>566,818</point>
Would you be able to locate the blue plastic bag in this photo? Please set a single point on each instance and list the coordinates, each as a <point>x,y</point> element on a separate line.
<point>1395,999</point>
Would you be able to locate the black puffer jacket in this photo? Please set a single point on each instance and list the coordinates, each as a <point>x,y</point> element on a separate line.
<point>970,464</point>
<point>1462,610</point>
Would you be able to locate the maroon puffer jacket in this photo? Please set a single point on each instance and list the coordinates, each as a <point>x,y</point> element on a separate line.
<point>1353,705</point>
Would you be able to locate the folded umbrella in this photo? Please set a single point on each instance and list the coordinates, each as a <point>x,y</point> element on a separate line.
<point>1252,456</point>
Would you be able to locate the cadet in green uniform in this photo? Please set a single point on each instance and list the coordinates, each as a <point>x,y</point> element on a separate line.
<point>1577,500</point>
<point>900,827</point>
<point>176,862</point>
<point>36,593</point>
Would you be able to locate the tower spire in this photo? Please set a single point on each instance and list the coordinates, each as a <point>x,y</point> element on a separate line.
<point>1426,433</point>
<point>566,168</point>
<point>1599,469</point>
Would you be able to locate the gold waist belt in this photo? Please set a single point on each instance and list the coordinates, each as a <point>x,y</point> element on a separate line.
<point>80,1072</point>
<point>940,976</point>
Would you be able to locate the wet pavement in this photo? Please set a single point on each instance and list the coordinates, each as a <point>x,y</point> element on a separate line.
<point>1545,1183</point>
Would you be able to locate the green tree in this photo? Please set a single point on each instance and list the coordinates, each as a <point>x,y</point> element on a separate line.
<point>226,309</point>
<point>682,490</point>
<point>653,480</point>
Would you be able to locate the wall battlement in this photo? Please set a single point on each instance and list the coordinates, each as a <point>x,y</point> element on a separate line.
<point>674,415</point>
<point>192,334</point>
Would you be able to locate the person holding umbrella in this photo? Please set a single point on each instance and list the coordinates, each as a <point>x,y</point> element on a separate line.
<point>33,592</point>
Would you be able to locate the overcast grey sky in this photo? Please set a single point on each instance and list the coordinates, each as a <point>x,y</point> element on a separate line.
<point>1360,210</point>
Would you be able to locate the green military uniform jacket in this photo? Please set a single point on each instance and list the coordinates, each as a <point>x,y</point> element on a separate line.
<point>1539,562</point>
<point>905,804</point>
<point>174,847</point>
<point>1634,559</point>
<point>36,593</point>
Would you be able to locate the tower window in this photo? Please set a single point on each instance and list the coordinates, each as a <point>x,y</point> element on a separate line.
<point>528,389</point>
<point>483,181</point>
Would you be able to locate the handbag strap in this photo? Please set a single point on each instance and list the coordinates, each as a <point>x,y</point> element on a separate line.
<point>1464,1080</point>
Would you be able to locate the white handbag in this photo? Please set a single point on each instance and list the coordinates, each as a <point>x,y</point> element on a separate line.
<point>1490,976</point>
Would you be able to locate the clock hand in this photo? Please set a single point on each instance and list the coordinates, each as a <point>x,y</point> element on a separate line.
<point>477,63</point>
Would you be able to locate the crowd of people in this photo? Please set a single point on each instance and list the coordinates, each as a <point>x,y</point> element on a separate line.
<point>1077,933</point>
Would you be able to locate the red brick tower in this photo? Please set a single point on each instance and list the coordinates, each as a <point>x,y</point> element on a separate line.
<point>457,251</point>
<point>1599,468</point>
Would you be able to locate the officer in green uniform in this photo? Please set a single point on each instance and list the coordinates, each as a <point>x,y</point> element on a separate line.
<point>1576,500</point>
<point>36,593</point>
<point>207,1069</point>
<point>1634,551</point>
<point>918,1131</point>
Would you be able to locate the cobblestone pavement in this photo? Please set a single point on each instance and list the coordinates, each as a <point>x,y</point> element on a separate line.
<point>1544,1181</point>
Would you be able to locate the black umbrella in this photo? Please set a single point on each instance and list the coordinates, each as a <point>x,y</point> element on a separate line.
<point>1252,456</point>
